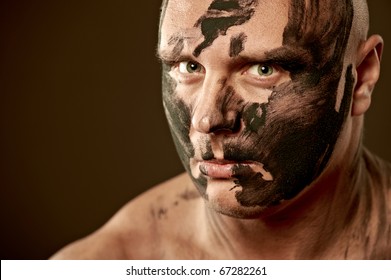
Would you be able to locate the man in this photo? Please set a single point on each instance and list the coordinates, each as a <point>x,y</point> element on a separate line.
<point>265,100</point>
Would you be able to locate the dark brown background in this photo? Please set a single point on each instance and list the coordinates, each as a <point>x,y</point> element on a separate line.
<point>81,123</point>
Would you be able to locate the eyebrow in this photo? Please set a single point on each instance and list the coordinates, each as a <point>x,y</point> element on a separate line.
<point>291,59</point>
<point>174,54</point>
<point>170,56</point>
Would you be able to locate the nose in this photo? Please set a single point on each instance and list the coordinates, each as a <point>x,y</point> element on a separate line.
<point>215,110</point>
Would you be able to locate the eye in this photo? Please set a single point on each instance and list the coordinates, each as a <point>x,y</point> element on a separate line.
<point>188,67</point>
<point>262,70</point>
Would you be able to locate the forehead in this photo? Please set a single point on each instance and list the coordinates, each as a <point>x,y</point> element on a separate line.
<point>262,22</point>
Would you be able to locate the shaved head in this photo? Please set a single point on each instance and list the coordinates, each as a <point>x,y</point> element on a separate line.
<point>361,24</point>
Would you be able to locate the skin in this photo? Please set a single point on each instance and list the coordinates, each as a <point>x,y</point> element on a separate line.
<point>265,102</point>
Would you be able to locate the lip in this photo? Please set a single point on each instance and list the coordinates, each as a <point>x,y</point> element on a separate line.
<point>220,169</point>
<point>225,169</point>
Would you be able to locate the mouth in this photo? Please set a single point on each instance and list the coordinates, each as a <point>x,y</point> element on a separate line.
<point>226,169</point>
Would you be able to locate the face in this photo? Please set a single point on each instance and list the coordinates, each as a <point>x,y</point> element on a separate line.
<point>256,94</point>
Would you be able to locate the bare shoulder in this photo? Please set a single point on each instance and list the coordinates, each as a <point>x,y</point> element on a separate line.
<point>145,228</point>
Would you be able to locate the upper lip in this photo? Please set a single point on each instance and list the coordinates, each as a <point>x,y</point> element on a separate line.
<point>220,161</point>
<point>225,161</point>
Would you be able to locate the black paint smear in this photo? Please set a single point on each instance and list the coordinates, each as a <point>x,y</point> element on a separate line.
<point>162,213</point>
<point>296,141</point>
<point>189,195</point>
<point>253,120</point>
<point>237,44</point>
<point>159,214</point>
<point>216,22</point>
<point>208,154</point>
<point>225,5</point>
<point>179,117</point>
<point>256,190</point>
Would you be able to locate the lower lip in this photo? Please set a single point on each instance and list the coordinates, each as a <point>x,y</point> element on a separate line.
<point>217,170</point>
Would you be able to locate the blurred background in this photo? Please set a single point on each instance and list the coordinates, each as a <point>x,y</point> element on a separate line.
<point>82,129</point>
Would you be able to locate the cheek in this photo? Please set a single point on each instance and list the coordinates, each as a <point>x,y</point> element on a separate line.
<point>297,132</point>
<point>293,135</point>
<point>300,124</point>
<point>179,118</point>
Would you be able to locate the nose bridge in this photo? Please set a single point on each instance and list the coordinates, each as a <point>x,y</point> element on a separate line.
<point>211,113</point>
<point>212,89</point>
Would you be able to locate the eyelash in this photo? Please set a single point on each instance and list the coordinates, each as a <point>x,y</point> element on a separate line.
<point>256,69</point>
<point>268,79</point>
<point>183,67</point>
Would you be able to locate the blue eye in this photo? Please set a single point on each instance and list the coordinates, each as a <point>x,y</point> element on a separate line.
<point>262,70</point>
<point>188,67</point>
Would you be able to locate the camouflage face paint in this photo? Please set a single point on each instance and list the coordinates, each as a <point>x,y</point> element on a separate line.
<point>215,21</point>
<point>296,142</point>
<point>294,133</point>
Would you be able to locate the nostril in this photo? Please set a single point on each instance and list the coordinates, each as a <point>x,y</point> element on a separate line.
<point>217,123</point>
<point>231,121</point>
<point>230,124</point>
<point>230,116</point>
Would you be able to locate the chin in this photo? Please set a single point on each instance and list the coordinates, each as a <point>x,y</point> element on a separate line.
<point>221,198</point>
<point>238,211</point>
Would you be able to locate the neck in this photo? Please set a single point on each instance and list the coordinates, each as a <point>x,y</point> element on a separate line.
<point>312,225</point>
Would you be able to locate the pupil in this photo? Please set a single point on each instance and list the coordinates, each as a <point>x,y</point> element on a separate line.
<point>265,69</point>
<point>193,66</point>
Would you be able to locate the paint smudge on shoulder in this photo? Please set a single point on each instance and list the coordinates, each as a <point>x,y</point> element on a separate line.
<point>190,195</point>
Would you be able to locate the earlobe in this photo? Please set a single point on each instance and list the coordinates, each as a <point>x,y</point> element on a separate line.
<point>368,71</point>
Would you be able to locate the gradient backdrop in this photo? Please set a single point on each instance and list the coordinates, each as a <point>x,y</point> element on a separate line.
<point>82,129</point>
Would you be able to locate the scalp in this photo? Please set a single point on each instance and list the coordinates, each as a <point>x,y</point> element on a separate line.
<point>360,24</point>
<point>360,27</point>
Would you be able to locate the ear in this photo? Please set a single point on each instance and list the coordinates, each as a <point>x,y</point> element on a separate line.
<point>368,71</point>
